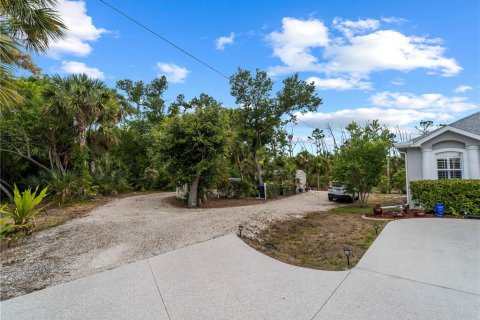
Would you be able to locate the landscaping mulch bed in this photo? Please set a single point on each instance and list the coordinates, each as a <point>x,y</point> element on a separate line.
<point>317,240</point>
<point>389,215</point>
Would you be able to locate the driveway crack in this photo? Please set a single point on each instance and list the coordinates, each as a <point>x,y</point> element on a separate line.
<point>158,289</point>
<point>417,281</point>
<point>341,282</point>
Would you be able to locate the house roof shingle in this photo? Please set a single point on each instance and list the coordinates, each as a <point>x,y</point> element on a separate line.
<point>470,123</point>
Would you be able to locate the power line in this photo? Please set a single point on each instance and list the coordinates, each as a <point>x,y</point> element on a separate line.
<point>164,39</point>
<point>307,124</point>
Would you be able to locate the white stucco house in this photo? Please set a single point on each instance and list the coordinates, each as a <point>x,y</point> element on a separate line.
<point>446,153</point>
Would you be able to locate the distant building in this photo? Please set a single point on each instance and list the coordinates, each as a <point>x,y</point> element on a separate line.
<point>301,180</point>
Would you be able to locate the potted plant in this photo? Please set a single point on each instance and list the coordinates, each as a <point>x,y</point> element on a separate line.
<point>377,209</point>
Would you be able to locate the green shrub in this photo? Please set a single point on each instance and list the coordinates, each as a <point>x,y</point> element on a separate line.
<point>399,181</point>
<point>384,185</point>
<point>25,210</point>
<point>236,189</point>
<point>6,228</point>
<point>273,190</point>
<point>287,188</point>
<point>455,194</point>
<point>110,182</point>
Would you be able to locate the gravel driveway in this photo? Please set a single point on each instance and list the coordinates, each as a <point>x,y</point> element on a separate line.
<point>132,229</point>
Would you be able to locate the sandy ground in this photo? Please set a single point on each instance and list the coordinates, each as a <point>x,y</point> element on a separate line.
<point>132,229</point>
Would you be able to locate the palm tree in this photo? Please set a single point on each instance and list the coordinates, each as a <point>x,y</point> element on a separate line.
<point>89,101</point>
<point>24,25</point>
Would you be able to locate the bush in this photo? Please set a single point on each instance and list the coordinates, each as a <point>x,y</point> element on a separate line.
<point>25,209</point>
<point>384,185</point>
<point>69,187</point>
<point>399,181</point>
<point>456,195</point>
<point>237,189</point>
<point>273,190</point>
<point>287,188</point>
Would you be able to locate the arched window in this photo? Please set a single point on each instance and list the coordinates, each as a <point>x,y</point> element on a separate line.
<point>449,165</point>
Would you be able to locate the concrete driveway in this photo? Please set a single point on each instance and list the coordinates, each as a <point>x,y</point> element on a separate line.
<point>416,269</point>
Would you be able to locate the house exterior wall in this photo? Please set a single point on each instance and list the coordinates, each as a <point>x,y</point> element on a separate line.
<point>421,161</point>
<point>414,164</point>
<point>448,145</point>
<point>450,137</point>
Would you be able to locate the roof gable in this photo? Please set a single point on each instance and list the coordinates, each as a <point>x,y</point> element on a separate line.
<point>468,126</point>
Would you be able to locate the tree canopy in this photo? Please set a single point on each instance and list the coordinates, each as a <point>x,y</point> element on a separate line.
<point>360,160</point>
<point>194,143</point>
<point>262,112</point>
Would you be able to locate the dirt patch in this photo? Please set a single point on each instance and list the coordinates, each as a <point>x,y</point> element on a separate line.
<point>317,240</point>
<point>221,202</point>
<point>56,215</point>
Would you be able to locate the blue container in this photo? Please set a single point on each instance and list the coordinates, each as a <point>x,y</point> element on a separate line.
<point>261,190</point>
<point>439,210</point>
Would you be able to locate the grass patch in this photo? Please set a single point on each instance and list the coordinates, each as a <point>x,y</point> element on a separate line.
<point>316,240</point>
<point>352,209</point>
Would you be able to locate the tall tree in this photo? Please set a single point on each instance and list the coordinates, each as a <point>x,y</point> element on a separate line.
<point>194,144</point>
<point>262,112</point>
<point>88,101</point>
<point>25,25</point>
<point>360,160</point>
<point>145,103</point>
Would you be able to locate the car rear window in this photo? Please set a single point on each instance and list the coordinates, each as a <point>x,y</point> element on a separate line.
<point>337,185</point>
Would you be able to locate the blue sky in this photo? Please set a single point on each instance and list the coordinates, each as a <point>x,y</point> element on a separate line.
<point>398,61</point>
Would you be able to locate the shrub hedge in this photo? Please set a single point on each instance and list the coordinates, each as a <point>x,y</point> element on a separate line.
<point>455,194</point>
<point>234,188</point>
<point>273,190</point>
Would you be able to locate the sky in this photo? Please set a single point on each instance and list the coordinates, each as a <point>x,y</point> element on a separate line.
<point>397,61</point>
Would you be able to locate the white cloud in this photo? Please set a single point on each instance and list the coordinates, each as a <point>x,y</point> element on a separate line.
<point>398,81</point>
<point>221,42</point>
<point>81,30</point>
<point>390,117</point>
<point>350,28</point>
<point>389,50</point>
<point>339,83</point>
<point>463,88</point>
<point>80,67</point>
<point>294,43</point>
<point>429,101</point>
<point>305,45</point>
<point>394,20</point>
<point>173,72</point>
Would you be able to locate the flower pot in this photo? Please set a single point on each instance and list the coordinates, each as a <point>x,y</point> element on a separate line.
<point>377,211</point>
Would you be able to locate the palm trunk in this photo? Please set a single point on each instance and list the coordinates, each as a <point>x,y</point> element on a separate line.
<point>193,192</point>
<point>239,165</point>
<point>258,168</point>
<point>82,131</point>
<point>82,137</point>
